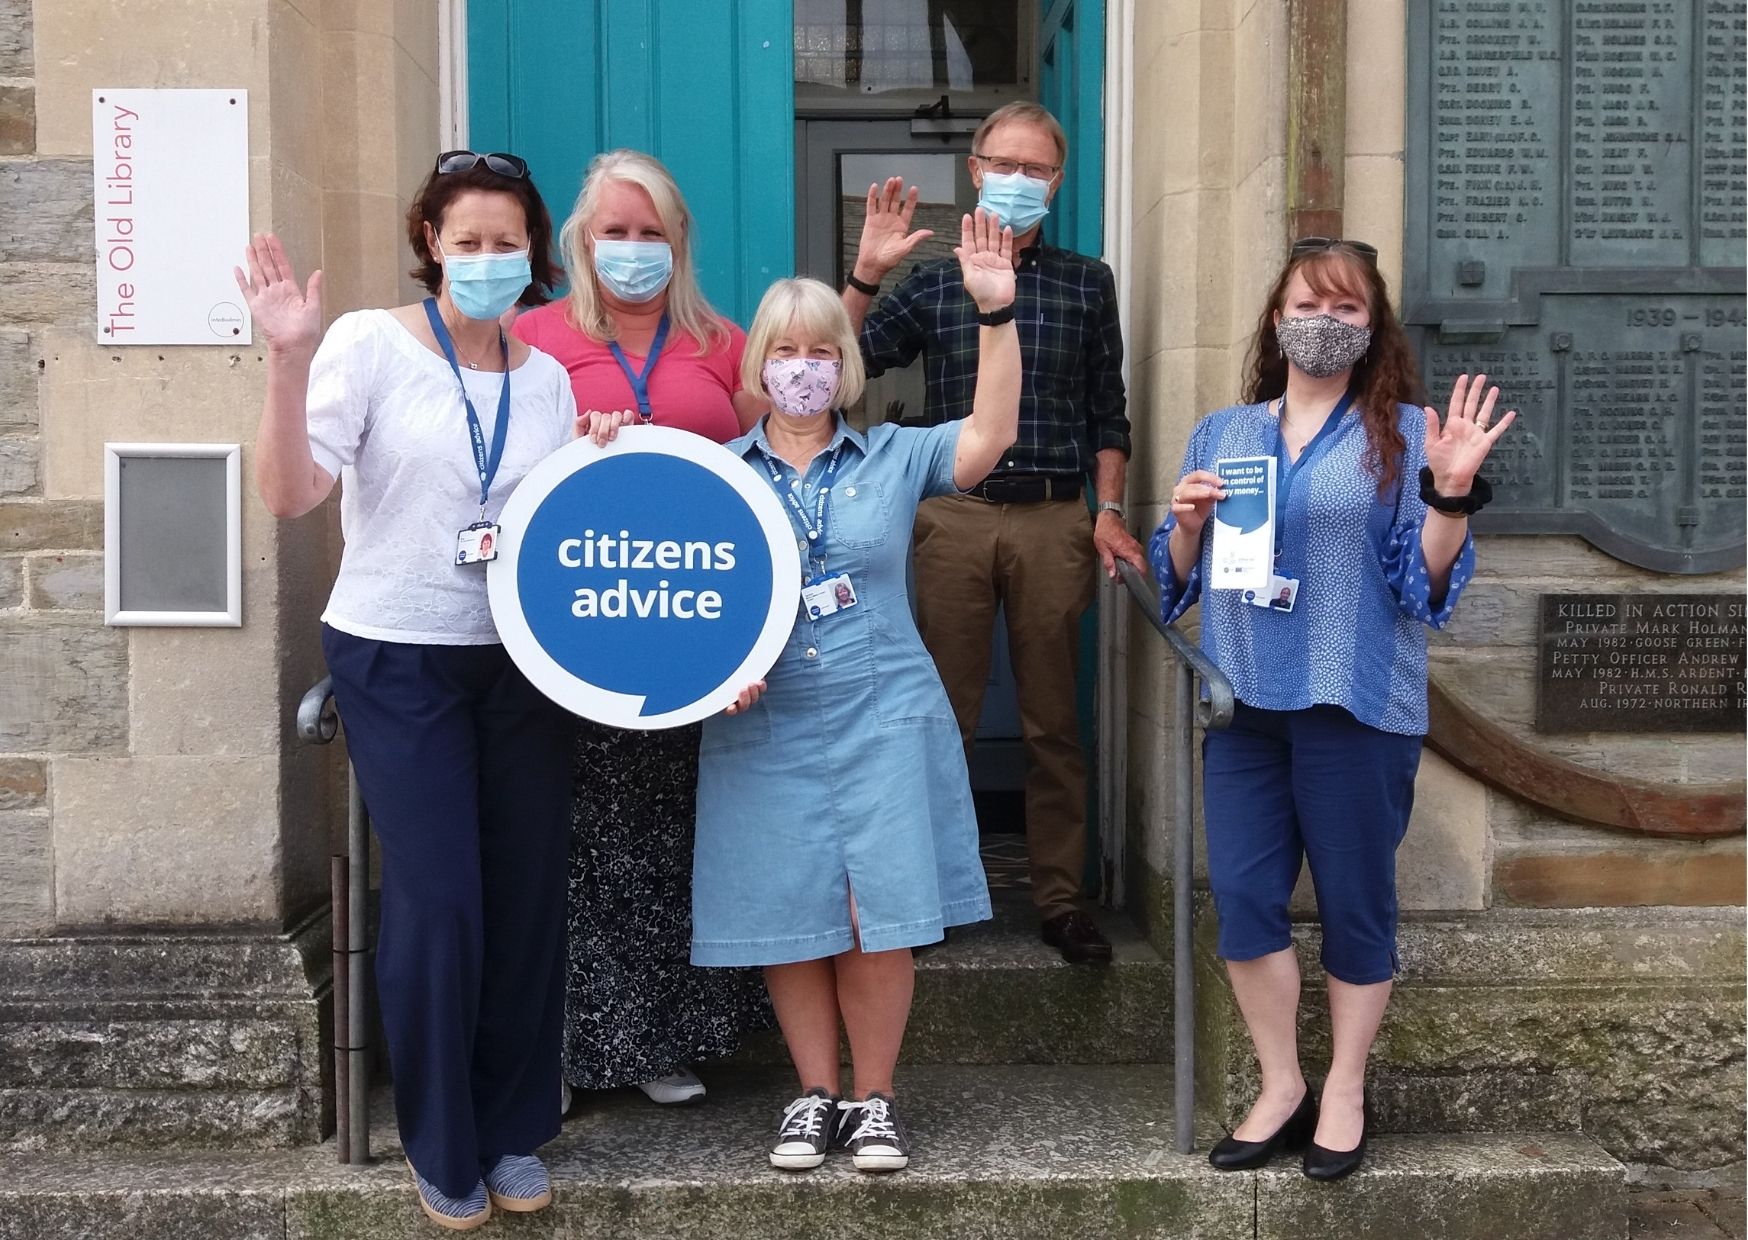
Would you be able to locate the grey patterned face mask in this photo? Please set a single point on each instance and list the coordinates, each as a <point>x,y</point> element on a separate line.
<point>1321,344</point>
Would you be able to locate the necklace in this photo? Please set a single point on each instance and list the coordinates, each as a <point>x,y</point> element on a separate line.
<point>456,337</point>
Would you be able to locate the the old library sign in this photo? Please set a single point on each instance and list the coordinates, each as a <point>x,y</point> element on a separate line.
<point>1576,204</point>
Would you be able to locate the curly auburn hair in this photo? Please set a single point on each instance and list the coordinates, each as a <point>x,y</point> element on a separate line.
<point>1386,377</point>
<point>441,189</point>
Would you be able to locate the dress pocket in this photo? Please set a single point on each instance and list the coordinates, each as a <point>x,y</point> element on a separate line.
<point>859,514</point>
<point>737,731</point>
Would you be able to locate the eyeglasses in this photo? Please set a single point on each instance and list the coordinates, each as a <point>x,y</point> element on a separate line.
<point>501,162</point>
<point>1310,245</point>
<point>1007,167</point>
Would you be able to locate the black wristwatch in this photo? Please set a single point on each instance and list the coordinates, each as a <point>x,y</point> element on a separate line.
<point>862,286</point>
<point>995,318</point>
<point>1479,496</point>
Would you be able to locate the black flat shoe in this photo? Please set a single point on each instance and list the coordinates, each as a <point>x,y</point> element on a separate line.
<point>1231,1154</point>
<point>1322,1164</point>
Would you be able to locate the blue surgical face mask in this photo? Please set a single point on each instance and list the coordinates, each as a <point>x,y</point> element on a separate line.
<point>1018,200</point>
<point>483,286</point>
<point>634,271</point>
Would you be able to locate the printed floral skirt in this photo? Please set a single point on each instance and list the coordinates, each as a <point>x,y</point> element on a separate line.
<point>635,1007</point>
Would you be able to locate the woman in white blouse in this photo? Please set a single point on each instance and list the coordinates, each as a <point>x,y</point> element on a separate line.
<point>429,415</point>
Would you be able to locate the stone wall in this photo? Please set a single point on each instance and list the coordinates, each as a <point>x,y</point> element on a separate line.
<point>148,776</point>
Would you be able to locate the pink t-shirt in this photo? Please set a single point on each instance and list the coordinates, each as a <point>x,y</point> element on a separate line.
<point>691,392</point>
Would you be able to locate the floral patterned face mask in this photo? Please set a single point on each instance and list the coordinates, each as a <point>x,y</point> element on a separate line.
<point>801,386</point>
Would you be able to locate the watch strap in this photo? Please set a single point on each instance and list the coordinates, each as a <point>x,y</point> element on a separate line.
<point>862,286</point>
<point>1111,505</point>
<point>995,318</point>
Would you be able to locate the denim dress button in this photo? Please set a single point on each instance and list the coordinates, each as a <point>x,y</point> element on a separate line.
<point>813,652</point>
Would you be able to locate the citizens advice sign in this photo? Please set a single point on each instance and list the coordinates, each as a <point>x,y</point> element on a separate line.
<point>644,584</point>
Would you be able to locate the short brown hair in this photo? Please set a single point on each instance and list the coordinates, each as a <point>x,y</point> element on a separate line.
<point>1026,112</point>
<point>442,188</point>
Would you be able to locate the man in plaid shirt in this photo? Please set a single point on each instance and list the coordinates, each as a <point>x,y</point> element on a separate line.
<point>1021,538</point>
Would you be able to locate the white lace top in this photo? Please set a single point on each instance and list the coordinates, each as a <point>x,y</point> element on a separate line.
<point>385,418</point>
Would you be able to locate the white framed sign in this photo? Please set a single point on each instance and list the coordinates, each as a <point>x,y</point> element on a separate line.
<point>173,534</point>
<point>644,584</point>
<point>170,169</point>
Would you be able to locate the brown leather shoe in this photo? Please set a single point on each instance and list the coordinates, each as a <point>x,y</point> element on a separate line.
<point>1075,936</point>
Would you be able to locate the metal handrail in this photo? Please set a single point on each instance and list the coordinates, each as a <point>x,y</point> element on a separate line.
<point>1188,711</point>
<point>318,723</point>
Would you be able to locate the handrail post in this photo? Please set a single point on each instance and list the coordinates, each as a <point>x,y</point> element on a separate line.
<point>1183,881</point>
<point>357,945</point>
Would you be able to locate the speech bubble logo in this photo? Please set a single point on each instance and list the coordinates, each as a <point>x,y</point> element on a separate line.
<point>645,584</point>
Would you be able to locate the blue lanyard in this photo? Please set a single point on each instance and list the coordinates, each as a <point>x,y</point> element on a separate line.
<point>814,528</point>
<point>640,380</point>
<point>486,465</point>
<point>1288,471</point>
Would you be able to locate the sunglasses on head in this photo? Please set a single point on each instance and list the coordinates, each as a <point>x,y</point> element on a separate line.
<point>501,162</point>
<point>1310,245</point>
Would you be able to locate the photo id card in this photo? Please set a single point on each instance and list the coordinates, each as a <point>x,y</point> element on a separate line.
<point>477,543</point>
<point>826,596</point>
<point>1282,593</point>
<point>1244,525</point>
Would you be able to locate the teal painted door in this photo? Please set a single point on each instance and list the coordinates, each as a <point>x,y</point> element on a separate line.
<point>706,86</point>
<point>1071,83</point>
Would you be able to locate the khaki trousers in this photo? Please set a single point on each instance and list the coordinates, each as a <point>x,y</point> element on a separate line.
<point>1038,560</point>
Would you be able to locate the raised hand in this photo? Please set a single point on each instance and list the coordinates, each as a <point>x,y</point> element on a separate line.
<point>290,318</point>
<point>1454,451</point>
<point>603,427</point>
<point>887,239</point>
<point>986,260</point>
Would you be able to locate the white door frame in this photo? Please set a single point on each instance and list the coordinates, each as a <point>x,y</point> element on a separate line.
<point>451,74</point>
<point>1111,712</point>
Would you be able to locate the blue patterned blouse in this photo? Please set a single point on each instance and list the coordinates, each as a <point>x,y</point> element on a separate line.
<point>1355,636</point>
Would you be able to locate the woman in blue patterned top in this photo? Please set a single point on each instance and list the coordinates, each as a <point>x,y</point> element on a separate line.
<point>1328,664</point>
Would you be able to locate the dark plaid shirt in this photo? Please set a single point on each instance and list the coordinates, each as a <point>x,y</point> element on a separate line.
<point>1071,348</point>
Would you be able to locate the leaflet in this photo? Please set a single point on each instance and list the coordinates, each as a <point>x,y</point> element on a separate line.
<point>1244,524</point>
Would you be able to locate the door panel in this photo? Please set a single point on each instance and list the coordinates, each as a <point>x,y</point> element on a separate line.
<point>1071,81</point>
<point>704,85</point>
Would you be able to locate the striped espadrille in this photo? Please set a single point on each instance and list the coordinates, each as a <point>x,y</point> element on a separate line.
<point>519,1182</point>
<point>455,1213</point>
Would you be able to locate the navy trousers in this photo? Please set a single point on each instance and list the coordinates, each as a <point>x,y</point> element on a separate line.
<point>1284,786</point>
<point>466,771</point>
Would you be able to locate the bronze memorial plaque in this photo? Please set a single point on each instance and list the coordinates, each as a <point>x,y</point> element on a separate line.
<point>1576,199</point>
<point>1641,663</point>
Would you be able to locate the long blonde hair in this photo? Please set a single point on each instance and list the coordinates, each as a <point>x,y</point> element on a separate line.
<point>687,307</point>
<point>807,308</point>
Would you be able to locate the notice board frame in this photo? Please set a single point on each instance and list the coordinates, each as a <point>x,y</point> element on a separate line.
<point>116,611</point>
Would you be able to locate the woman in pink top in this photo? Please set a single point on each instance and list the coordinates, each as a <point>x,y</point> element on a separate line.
<point>640,341</point>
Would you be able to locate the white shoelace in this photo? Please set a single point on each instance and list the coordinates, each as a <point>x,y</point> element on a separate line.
<point>803,1117</point>
<point>876,1119</point>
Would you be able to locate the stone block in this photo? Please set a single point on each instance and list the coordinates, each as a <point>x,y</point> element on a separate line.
<point>148,1046</point>
<point>20,464</point>
<point>1455,1188</point>
<point>296,118</point>
<point>202,691</point>
<point>11,581</point>
<point>27,879</point>
<point>20,376</point>
<point>1377,68</point>
<point>1604,877</point>
<point>66,582</point>
<point>45,210</point>
<point>63,685</point>
<point>36,525</point>
<point>24,783</point>
<point>67,1119</point>
<point>15,38</point>
<point>17,120</point>
<point>195,1212</point>
<point>125,829</point>
<point>41,293</point>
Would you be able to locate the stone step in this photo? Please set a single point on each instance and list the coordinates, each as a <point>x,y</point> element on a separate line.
<point>1015,1153</point>
<point>995,993</point>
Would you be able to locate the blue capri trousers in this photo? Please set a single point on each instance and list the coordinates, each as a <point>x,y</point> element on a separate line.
<point>1281,786</point>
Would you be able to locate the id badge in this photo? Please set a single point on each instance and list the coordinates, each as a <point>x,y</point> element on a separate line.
<point>477,543</point>
<point>1283,592</point>
<point>826,596</point>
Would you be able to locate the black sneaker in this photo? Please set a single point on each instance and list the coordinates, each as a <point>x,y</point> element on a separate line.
<point>871,1132</point>
<point>1075,936</point>
<point>805,1131</point>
